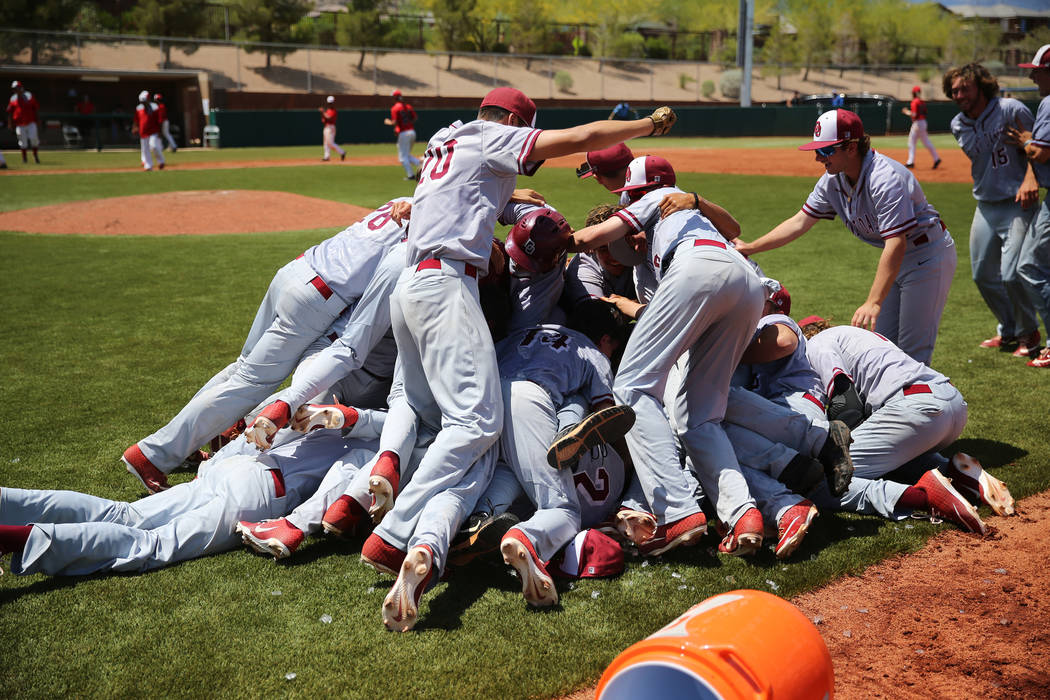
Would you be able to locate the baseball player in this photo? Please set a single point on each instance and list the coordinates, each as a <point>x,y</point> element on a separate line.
<point>147,123</point>
<point>1007,197</point>
<point>69,533</point>
<point>704,309</point>
<point>22,114</point>
<point>917,111</point>
<point>883,205</point>
<point>165,125</point>
<point>597,274</point>
<point>403,119</point>
<point>447,355</point>
<point>911,412</point>
<point>328,117</point>
<point>303,300</point>
<point>1034,262</point>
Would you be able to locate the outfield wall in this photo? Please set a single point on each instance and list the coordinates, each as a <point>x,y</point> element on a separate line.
<point>303,127</point>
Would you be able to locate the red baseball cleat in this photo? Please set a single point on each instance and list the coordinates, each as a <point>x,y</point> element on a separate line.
<point>969,477</point>
<point>793,526</point>
<point>142,469</point>
<point>382,556</point>
<point>342,516</point>
<point>1027,345</point>
<point>684,531</point>
<point>945,502</point>
<point>383,485</point>
<point>536,584</point>
<point>1043,361</point>
<point>277,537</point>
<point>401,605</point>
<point>746,536</point>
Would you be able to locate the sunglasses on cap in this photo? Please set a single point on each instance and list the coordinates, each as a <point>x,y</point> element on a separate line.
<point>584,169</point>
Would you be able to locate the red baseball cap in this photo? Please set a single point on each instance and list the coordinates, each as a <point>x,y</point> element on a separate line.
<point>916,89</point>
<point>514,101</point>
<point>777,295</point>
<point>810,319</point>
<point>606,161</point>
<point>591,554</point>
<point>396,93</point>
<point>1040,60</point>
<point>834,127</point>
<point>648,171</point>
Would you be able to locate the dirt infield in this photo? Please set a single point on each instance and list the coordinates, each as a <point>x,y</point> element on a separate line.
<point>963,617</point>
<point>731,161</point>
<point>188,212</point>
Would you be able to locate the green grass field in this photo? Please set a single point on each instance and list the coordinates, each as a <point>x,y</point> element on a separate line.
<point>104,339</point>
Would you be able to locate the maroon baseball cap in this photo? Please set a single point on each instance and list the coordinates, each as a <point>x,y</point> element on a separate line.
<point>916,89</point>
<point>514,101</point>
<point>810,319</point>
<point>606,161</point>
<point>648,171</point>
<point>834,127</point>
<point>1040,60</point>
<point>591,554</point>
<point>777,295</point>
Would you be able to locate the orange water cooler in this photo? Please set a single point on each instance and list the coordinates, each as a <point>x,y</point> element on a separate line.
<point>737,645</point>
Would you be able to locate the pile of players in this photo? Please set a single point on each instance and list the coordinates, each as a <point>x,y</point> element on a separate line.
<point>493,396</point>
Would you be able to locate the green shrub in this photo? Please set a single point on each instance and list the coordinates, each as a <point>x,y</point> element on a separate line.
<point>563,81</point>
<point>657,47</point>
<point>627,45</point>
<point>730,83</point>
<point>684,80</point>
<point>707,88</point>
<point>925,73</point>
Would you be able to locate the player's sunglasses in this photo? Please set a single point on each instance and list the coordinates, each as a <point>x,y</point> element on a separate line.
<point>583,169</point>
<point>828,151</point>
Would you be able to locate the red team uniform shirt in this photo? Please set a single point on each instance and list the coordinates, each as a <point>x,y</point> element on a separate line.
<point>22,109</point>
<point>148,121</point>
<point>328,117</point>
<point>403,116</point>
<point>918,109</point>
<point>162,113</point>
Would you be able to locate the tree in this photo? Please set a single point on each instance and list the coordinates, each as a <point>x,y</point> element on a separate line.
<point>811,19</point>
<point>779,53</point>
<point>270,21</point>
<point>174,18</point>
<point>44,15</point>
<point>454,22</point>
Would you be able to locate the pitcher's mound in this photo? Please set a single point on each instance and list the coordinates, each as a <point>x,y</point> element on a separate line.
<point>193,212</point>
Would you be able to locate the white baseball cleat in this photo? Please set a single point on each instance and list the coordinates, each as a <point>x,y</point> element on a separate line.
<point>536,584</point>
<point>401,605</point>
<point>968,476</point>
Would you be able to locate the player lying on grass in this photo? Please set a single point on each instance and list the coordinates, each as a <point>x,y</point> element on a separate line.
<point>70,533</point>
<point>303,300</point>
<point>903,413</point>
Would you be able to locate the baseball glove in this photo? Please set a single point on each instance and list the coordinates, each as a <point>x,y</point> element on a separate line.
<point>663,119</point>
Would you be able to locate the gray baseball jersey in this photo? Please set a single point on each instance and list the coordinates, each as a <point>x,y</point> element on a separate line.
<point>455,210</point>
<point>559,359</point>
<point>997,168</point>
<point>586,278</point>
<point>533,295</point>
<point>1041,137</point>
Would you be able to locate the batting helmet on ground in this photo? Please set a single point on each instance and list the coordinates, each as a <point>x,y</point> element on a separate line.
<point>538,240</point>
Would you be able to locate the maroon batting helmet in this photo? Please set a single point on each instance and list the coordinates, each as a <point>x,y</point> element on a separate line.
<point>538,240</point>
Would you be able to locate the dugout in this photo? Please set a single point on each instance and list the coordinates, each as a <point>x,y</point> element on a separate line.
<point>114,94</point>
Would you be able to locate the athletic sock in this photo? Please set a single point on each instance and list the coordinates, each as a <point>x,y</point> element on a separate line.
<point>914,498</point>
<point>13,537</point>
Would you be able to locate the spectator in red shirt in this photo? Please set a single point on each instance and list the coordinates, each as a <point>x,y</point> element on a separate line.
<point>147,123</point>
<point>917,112</point>
<point>403,119</point>
<point>328,116</point>
<point>22,109</point>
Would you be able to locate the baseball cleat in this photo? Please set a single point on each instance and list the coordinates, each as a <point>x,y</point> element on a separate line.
<point>834,455</point>
<point>946,503</point>
<point>277,537</point>
<point>536,584</point>
<point>481,534</point>
<point>685,531</point>
<point>969,477</point>
<point>381,555</point>
<point>793,526</point>
<point>142,469</point>
<point>401,605</point>
<point>1043,361</point>
<point>998,342</point>
<point>636,526</point>
<point>936,163</point>
<point>745,537</point>
<point>383,484</point>
<point>1027,345</point>
<point>342,516</point>
<point>227,436</point>
<point>605,425</point>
